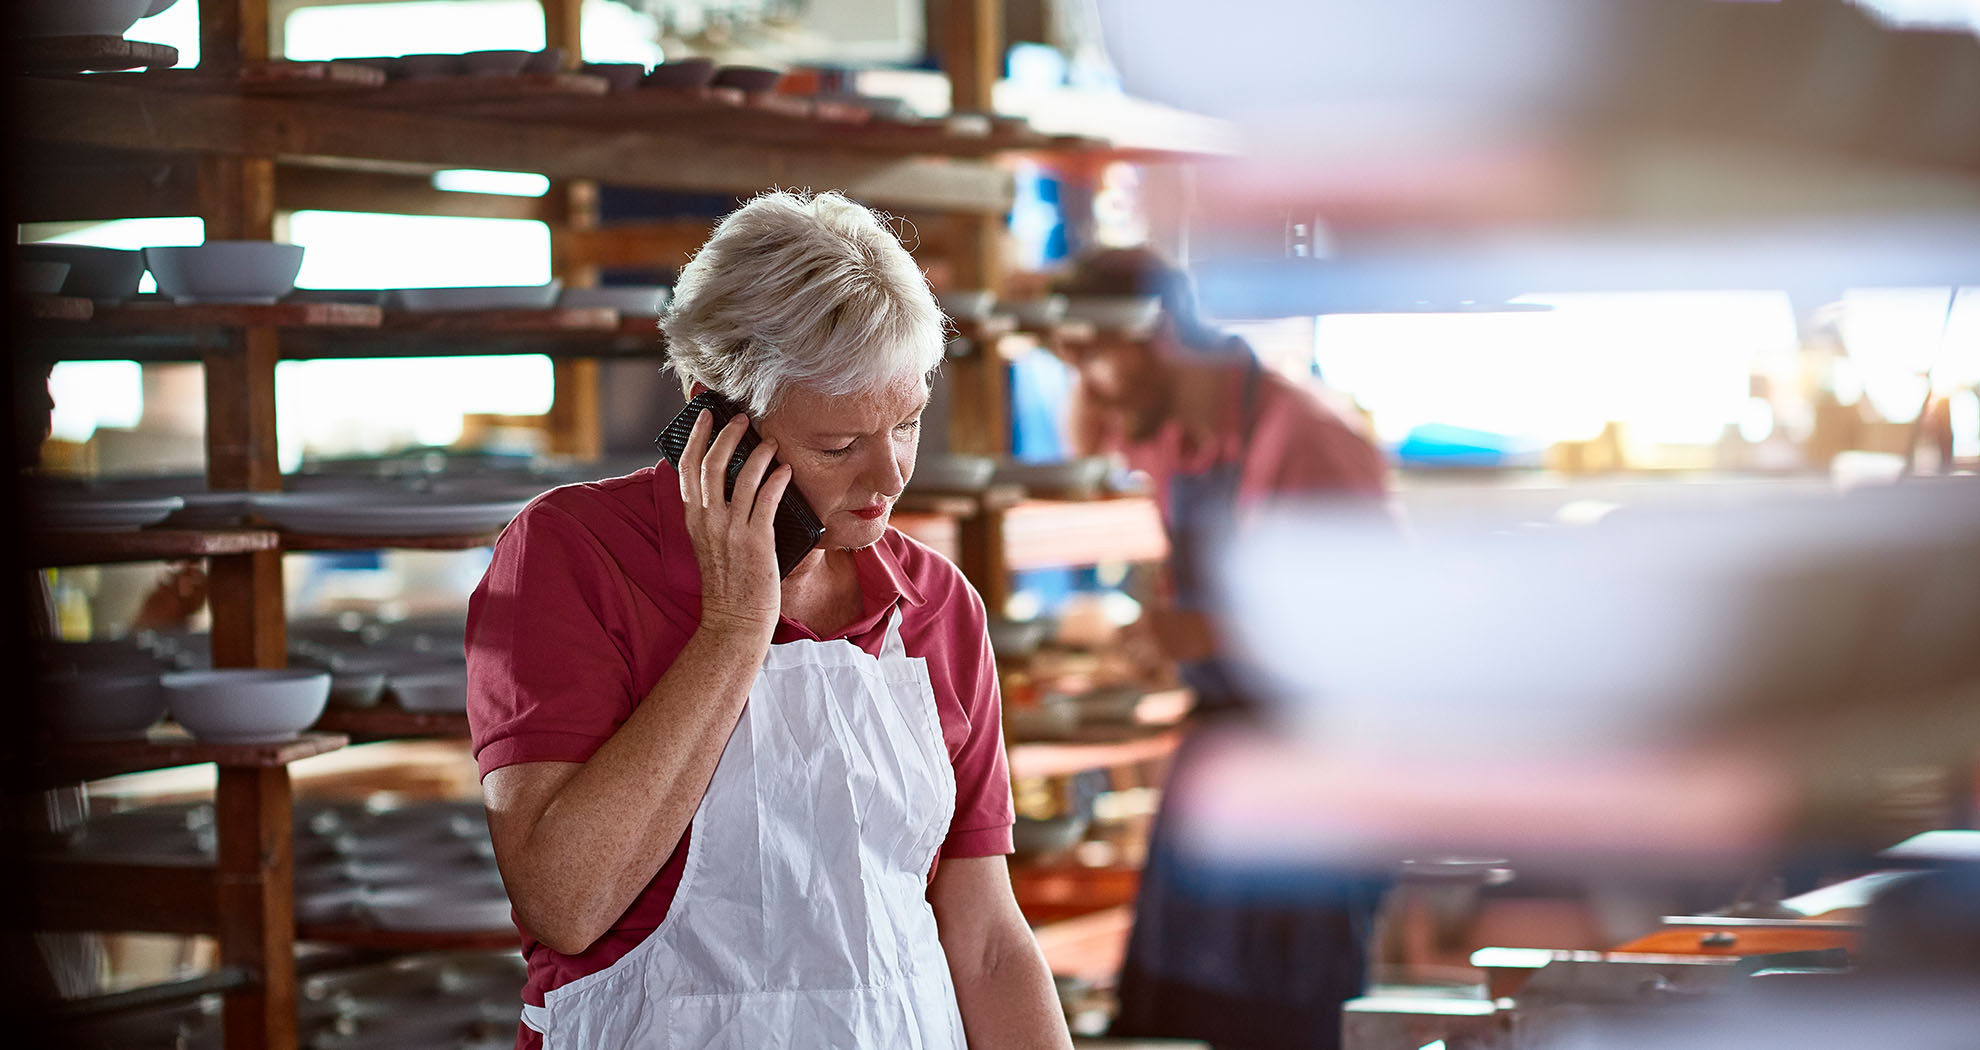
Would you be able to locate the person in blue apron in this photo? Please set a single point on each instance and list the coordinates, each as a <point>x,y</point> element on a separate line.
<point>1240,959</point>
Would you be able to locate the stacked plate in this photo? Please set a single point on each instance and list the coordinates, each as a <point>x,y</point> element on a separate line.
<point>387,511</point>
<point>426,866</point>
<point>418,664</point>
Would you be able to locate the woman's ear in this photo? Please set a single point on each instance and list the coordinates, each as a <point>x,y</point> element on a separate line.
<point>696,389</point>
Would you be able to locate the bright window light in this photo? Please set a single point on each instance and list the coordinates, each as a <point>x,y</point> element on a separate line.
<point>372,407</point>
<point>363,250</point>
<point>1896,336</point>
<point>120,233</point>
<point>92,394</point>
<point>612,32</point>
<point>507,183</point>
<point>177,26</point>
<point>1673,366</point>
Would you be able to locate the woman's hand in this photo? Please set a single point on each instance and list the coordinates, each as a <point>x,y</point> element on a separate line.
<point>734,542</point>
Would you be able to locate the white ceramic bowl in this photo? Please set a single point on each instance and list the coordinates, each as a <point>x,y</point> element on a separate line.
<point>40,276</point>
<point>94,273</point>
<point>495,63</point>
<point>488,297</point>
<point>241,706</point>
<point>623,76</point>
<point>80,17</point>
<point>633,300</point>
<point>101,705</point>
<point>226,271</point>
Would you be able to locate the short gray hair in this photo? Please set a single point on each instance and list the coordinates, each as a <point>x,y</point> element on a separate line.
<point>797,288</point>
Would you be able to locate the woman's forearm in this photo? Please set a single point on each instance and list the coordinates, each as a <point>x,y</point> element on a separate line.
<point>600,837</point>
<point>1006,995</point>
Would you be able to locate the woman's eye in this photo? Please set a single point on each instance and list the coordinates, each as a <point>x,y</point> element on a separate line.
<point>840,451</point>
<point>909,427</point>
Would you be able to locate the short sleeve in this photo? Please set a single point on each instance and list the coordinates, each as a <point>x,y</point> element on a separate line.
<point>548,680</point>
<point>984,812</point>
<point>1301,449</point>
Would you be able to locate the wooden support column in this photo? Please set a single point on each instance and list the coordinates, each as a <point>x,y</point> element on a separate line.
<point>575,420</point>
<point>980,543</point>
<point>236,198</point>
<point>232,33</point>
<point>256,905</point>
<point>979,419</point>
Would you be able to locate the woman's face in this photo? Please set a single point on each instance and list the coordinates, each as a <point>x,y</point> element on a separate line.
<point>850,455</point>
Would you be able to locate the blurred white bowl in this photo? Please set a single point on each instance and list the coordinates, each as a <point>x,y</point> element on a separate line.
<point>94,273</point>
<point>437,689</point>
<point>80,17</point>
<point>101,705</point>
<point>1133,314</point>
<point>1042,312</point>
<point>39,276</point>
<point>970,304</point>
<point>488,297</point>
<point>642,300</point>
<point>226,271</point>
<point>243,706</point>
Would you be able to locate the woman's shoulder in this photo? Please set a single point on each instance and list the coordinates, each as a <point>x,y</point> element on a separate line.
<point>600,509</point>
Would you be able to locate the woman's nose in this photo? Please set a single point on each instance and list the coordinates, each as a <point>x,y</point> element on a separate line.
<point>886,475</point>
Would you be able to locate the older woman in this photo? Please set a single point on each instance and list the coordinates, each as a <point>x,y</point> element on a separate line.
<point>734,810</point>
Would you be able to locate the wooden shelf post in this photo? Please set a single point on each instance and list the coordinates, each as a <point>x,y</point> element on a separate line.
<point>256,904</point>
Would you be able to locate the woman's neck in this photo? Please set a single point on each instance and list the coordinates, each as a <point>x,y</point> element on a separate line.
<point>822,593</point>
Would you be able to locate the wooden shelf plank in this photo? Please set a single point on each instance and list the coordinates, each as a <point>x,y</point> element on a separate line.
<point>336,133</point>
<point>588,320</point>
<point>80,54</point>
<point>154,315</point>
<point>1064,758</point>
<point>408,940</point>
<point>224,979</point>
<point>54,307</point>
<point>1041,534</point>
<point>66,763</point>
<point>1090,946</point>
<point>1049,893</point>
<point>301,541</point>
<point>107,548</point>
<point>391,723</point>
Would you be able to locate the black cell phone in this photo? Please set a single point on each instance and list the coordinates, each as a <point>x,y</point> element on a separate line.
<point>796,525</point>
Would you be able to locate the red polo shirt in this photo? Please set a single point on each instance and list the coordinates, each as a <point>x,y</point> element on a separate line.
<point>592,593</point>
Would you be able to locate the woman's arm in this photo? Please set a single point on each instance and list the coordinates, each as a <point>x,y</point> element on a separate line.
<point>577,842</point>
<point>1002,983</point>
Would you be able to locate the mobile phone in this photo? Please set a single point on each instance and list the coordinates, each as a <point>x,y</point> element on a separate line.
<point>797,527</point>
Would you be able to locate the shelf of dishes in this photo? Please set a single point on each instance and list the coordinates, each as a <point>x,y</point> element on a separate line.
<point>467,1000</point>
<point>688,97</point>
<point>362,677</point>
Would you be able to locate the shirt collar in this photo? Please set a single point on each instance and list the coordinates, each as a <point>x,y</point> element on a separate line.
<point>882,579</point>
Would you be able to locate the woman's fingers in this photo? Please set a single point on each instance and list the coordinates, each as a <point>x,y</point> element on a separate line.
<point>750,478</point>
<point>764,511</point>
<point>691,456</point>
<point>715,465</point>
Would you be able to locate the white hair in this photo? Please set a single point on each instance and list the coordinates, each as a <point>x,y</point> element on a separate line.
<point>796,288</point>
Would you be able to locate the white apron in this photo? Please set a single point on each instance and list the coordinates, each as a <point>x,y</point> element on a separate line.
<point>802,918</point>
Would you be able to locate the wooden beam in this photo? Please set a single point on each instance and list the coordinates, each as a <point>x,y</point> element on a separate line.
<point>114,187</point>
<point>972,52</point>
<point>255,898</point>
<point>635,245</point>
<point>232,33</point>
<point>300,188</point>
<point>110,115</point>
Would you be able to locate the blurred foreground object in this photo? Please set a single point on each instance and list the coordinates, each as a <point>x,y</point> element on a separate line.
<point>1673,688</point>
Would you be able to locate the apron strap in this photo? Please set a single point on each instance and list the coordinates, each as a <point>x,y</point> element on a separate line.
<point>891,645</point>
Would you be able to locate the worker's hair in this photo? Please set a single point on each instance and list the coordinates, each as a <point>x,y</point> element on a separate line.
<point>801,288</point>
<point>1140,271</point>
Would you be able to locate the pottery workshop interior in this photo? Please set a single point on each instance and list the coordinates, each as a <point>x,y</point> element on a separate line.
<point>1119,524</point>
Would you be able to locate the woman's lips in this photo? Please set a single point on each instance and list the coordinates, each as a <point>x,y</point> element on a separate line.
<point>872,512</point>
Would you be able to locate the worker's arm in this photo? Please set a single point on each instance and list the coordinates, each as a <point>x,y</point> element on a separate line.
<point>1002,984</point>
<point>578,841</point>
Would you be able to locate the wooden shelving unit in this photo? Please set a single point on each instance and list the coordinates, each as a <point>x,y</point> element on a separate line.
<point>241,136</point>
